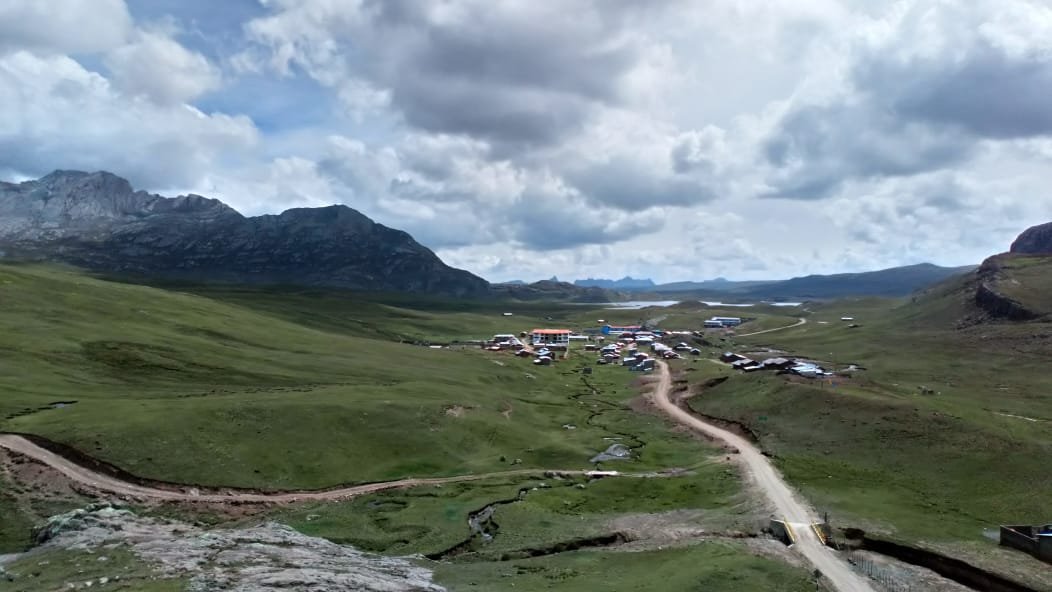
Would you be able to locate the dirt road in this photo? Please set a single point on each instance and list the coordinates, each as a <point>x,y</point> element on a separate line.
<point>800,321</point>
<point>767,478</point>
<point>108,484</point>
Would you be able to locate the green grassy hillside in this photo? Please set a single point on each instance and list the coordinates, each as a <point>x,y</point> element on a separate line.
<point>947,431</point>
<point>187,388</point>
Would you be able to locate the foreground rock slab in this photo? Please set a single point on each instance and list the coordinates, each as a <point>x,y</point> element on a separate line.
<point>262,558</point>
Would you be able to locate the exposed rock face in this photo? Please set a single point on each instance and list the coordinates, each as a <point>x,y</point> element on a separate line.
<point>1036,240</point>
<point>97,221</point>
<point>990,297</point>
<point>259,559</point>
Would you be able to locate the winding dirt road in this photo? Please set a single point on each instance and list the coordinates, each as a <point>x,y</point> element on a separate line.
<point>801,321</point>
<point>773,486</point>
<point>113,485</point>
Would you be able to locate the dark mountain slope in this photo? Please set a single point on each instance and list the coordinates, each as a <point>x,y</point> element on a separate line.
<point>97,221</point>
<point>897,281</point>
<point>1035,240</point>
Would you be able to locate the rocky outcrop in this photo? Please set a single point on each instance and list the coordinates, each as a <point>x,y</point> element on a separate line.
<point>990,299</point>
<point>261,558</point>
<point>1035,240</point>
<point>97,221</point>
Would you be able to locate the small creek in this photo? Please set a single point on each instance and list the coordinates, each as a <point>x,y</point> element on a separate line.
<point>482,527</point>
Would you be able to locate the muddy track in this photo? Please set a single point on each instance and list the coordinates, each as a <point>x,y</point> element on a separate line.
<point>104,481</point>
<point>802,321</point>
<point>769,481</point>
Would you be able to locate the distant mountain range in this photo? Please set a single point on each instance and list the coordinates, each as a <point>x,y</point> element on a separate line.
<point>897,281</point>
<point>97,221</point>
<point>625,283</point>
<point>893,282</point>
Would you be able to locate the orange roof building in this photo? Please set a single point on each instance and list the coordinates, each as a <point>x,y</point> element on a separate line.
<point>558,338</point>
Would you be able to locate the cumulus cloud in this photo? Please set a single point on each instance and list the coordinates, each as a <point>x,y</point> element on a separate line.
<point>527,138</point>
<point>59,115</point>
<point>519,73</point>
<point>63,26</point>
<point>157,67</point>
<point>925,84</point>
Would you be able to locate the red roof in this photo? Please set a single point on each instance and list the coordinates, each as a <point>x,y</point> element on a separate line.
<point>551,331</point>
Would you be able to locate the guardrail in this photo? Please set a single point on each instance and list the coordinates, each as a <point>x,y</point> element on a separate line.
<point>819,533</point>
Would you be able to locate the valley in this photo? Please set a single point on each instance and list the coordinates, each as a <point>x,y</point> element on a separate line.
<point>525,296</point>
<point>321,410</point>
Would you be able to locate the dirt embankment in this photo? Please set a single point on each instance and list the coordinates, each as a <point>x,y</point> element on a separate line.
<point>954,569</point>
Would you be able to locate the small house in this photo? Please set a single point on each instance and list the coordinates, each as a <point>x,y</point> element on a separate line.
<point>553,338</point>
<point>778,364</point>
<point>506,341</point>
<point>807,370</point>
<point>711,324</point>
<point>618,330</point>
<point>731,357</point>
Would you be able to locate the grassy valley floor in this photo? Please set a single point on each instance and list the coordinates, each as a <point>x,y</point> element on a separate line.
<point>944,435</point>
<point>276,391</point>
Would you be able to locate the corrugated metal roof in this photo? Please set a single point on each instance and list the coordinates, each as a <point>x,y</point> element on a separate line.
<point>551,332</point>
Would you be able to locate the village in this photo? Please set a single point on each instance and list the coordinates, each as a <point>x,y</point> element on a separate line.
<point>638,347</point>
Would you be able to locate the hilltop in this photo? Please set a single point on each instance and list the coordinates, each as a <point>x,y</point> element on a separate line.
<point>1013,286</point>
<point>1036,240</point>
<point>99,222</point>
<point>553,289</point>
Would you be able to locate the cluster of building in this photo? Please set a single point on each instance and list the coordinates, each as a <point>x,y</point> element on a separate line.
<point>542,344</point>
<point>627,352</point>
<point>803,368</point>
<point>625,347</point>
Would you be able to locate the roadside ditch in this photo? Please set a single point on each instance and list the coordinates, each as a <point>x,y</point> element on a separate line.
<point>948,567</point>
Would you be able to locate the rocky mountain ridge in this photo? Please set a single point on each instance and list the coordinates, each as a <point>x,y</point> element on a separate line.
<point>98,221</point>
<point>1035,240</point>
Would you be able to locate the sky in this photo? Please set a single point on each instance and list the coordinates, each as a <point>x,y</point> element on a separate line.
<point>521,139</point>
